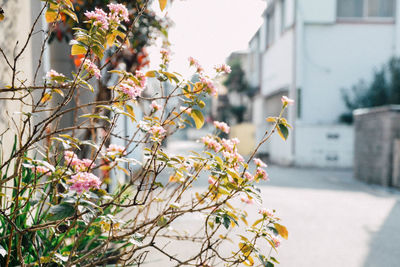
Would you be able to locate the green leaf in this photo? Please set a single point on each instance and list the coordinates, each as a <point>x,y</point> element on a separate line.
<point>61,211</point>
<point>283,131</point>
<point>198,118</point>
<point>269,264</point>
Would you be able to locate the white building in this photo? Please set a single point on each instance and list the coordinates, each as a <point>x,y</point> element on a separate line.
<point>310,50</point>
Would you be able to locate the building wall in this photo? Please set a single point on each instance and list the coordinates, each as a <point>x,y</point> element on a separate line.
<point>336,57</point>
<point>324,145</point>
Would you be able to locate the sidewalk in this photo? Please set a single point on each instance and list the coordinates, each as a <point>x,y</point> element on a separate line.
<point>333,219</point>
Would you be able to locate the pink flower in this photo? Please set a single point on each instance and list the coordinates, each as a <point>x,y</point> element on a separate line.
<point>154,105</point>
<point>54,74</point>
<point>222,126</point>
<point>228,145</point>
<point>157,130</point>
<point>133,87</point>
<point>259,163</point>
<point>208,86</point>
<point>246,199</point>
<point>196,64</point>
<point>83,181</point>
<point>118,12</point>
<point>212,181</point>
<point>186,110</point>
<point>286,100</point>
<point>98,17</point>
<point>248,176</point>
<point>87,163</point>
<point>266,213</point>
<point>40,169</point>
<point>114,149</point>
<point>261,174</point>
<point>211,143</point>
<point>141,77</point>
<point>91,68</point>
<point>165,55</point>
<point>276,241</point>
<point>235,140</point>
<point>69,156</point>
<point>223,68</point>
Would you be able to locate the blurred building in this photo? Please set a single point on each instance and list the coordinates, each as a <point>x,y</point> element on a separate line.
<point>310,50</point>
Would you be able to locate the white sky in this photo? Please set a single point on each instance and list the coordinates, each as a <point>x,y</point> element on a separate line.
<point>209,30</point>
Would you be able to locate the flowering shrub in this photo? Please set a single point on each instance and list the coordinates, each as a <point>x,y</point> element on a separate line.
<point>57,207</point>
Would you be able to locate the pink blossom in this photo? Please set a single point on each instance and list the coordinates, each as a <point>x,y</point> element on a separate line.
<point>261,174</point>
<point>246,199</point>
<point>69,156</point>
<point>208,86</point>
<point>88,163</point>
<point>286,100</point>
<point>157,130</point>
<point>223,68</point>
<point>40,169</point>
<point>248,176</point>
<point>99,18</point>
<point>276,241</point>
<point>212,181</point>
<point>54,74</point>
<point>227,144</point>
<point>266,212</point>
<point>141,77</point>
<point>165,55</point>
<point>154,105</point>
<point>118,12</point>
<point>133,87</point>
<point>196,64</point>
<point>83,181</point>
<point>116,149</point>
<point>235,140</point>
<point>222,126</point>
<point>186,110</point>
<point>211,143</point>
<point>259,163</point>
<point>91,68</point>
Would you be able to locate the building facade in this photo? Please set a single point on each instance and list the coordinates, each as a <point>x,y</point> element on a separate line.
<point>310,50</point>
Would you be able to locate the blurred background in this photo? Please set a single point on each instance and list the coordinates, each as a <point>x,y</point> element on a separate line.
<point>335,181</point>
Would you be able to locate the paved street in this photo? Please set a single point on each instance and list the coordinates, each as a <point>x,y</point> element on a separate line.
<point>333,220</point>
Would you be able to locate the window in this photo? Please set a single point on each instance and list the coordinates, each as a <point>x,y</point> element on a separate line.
<point>270,27</point>
<point>365,8</point>
<point>283,15</point>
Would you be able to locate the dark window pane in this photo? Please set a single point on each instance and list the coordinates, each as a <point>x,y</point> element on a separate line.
<point>381,8</point>
<point>350,8</point>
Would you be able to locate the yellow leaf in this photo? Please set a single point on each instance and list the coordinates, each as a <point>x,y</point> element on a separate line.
<point>68,3</point>
<point>51,16</point>
<point>77,50</point>
<point>111,39</point>
<point>163,4</point>
<point>151,73</point>
<point>46,98</point>
<point>281,230</point>
<point>198,118</point>
<point>271,119</point>
<point>249,262</point>
<point>257,222</point>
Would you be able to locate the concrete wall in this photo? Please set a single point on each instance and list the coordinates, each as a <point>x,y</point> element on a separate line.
<point>375,132</point>
<point>324,145</point>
